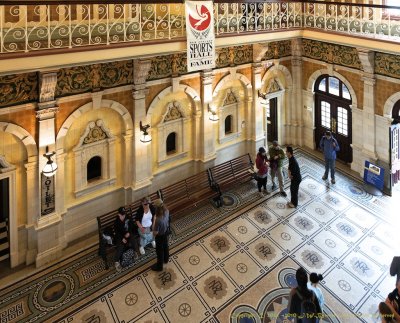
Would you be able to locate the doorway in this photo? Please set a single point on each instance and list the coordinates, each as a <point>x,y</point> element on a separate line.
<point>333,113</point>
<point>4,218</point>
<point>271,117</point>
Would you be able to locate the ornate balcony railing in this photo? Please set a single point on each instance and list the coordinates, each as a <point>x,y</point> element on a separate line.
<point>48,26</point>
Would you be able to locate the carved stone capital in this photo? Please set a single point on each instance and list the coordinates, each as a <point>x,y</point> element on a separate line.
<point>257,68</point>
<point>297,61</point>
<point>45,114</point>
<point>297,47</point>
<point>47,88</point>
<point>141,69</point>
<point>367,58</point>
<point>259,51</point>
<point>140,93</point>
<point>207,77</point>
<point>368,79</point>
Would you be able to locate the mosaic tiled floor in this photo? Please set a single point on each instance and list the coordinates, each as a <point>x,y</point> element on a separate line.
<point>239,267</point>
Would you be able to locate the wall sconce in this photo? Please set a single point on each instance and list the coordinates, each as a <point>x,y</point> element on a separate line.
<point>145,137</point>
<point>213,114</point>
<point>51,167</point>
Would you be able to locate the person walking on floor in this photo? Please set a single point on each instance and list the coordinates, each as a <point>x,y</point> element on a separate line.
<point>276,158</point>
<point>295,178</point>
<point>395,267</point>
<point>160,232</point>
<point>329,147</point>
<point>313,285</point>
<point>262,173</point>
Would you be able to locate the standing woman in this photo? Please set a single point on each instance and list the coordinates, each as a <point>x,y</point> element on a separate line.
<point>262,166</point>
<point>144,220</point>
<point>160,231</point>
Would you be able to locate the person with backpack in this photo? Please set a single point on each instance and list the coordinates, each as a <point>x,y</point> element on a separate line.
<point>329,147</point>
<point>303,304</point>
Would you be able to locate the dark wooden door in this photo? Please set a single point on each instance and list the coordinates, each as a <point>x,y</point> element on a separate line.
<point>334,115</point>
<point>4,218</point>
<point>272,119</point>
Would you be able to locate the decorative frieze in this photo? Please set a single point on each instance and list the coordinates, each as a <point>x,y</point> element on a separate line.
<point>278,50</point>
<point>387,64</point>
<point>332,53</point>
<point>18,89</point>
<point>80,79</point>
<point>47,87</point>
<point>173,111</point>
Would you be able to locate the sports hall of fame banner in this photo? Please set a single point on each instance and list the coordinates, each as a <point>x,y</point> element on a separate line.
<point>200,35</point>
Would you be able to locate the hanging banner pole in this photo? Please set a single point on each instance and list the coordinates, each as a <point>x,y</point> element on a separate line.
<point>200,35</point>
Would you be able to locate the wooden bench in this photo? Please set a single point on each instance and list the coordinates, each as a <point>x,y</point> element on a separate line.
<point>188,194</point>
<point>105,225</point>
<point>232,172</point>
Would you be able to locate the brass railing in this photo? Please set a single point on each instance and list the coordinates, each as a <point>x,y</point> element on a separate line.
<point>48,26</point>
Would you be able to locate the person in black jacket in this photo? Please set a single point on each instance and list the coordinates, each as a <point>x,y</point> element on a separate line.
<point>295,177</point>
<point>301,294</point>
<point>144,221</point>
<point>160,232</point>
<point>123,238</point>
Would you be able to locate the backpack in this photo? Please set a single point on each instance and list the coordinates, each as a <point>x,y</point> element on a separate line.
<point>308,311</point>
<point>128,258</point>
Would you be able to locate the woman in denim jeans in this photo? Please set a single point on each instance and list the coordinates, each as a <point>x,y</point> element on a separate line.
<point>144,220</point>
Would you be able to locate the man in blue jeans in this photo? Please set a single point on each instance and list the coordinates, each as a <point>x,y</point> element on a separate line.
<point>329,146</point>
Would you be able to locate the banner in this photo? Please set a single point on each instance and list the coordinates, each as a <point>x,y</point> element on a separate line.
<point>374,175</point>
<point>200,35</point>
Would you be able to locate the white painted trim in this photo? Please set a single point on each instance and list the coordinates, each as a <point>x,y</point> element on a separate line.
<point>389,104</point>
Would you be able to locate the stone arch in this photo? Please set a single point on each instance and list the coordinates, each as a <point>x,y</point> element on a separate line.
<point>181,87</point>
<point>313,78</point>
<point>232,77</point>
<point>22,135</point>
<point>274,71</point>
<point>118,107</point>
<point>389,104</point>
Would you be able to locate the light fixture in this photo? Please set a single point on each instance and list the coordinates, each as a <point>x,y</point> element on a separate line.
<point>145,137</point>
<point>51,167</point>
<point>213,114</point>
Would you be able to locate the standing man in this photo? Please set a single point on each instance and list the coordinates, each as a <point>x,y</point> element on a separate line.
<point>295,177</point>
<point>276,157</point>
<point>160,232</point>
<point>329,146</point>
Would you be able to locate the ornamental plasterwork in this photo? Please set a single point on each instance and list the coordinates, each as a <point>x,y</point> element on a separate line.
<point>173,112</point>
<point>95,131</point>
<point>387,64</point>
<point>273,86</point>
<point>332,53</point>
<point>17,89</point>
<point>278,49</point>
<point>230,98</point>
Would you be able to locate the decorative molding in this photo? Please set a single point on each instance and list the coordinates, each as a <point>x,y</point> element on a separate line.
<point>230,98</point>
<point>232,56</point>
<point>18,89</point>
<point>278,49</point>
<point>167,66</point>
<point>95,131</point>
<point>273,86</point>
<point>259,51</point>
<point>332,53</point>
<point>367,59</point>
<point>141,69</point>
<point>173,111</point>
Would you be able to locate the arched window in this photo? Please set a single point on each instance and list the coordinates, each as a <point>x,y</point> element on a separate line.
<point>94,168</point>
<point>228,124</point>
<point>171,143</point>
<point>333,113</point>
<point>396,113</point>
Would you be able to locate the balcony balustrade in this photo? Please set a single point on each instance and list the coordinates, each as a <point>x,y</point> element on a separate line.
<point>49,26</point>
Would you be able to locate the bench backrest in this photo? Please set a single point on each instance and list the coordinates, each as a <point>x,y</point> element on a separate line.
<point>237,168</point>
<point>175,195</point>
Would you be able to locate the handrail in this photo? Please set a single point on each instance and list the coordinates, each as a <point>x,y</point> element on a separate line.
<point>46,25</point>
<point>83,2</point>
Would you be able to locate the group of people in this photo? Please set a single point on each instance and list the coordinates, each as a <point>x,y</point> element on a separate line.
<point>150,226</point>
<point>275,163</point>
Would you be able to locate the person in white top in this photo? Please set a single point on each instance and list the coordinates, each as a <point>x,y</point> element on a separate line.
<point>144,221</point>
<point>313,285</point>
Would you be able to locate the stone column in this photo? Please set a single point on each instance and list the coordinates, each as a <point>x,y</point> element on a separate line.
<point>207,134</point>
<point>296,105</point>
<point>368,138</point>
<point>142,161</point>
<point>49,228</point>
<point>255,122</point>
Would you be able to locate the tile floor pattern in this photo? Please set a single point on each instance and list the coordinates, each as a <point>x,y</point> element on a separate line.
<point>237,267</point>
<point>246,267</point>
